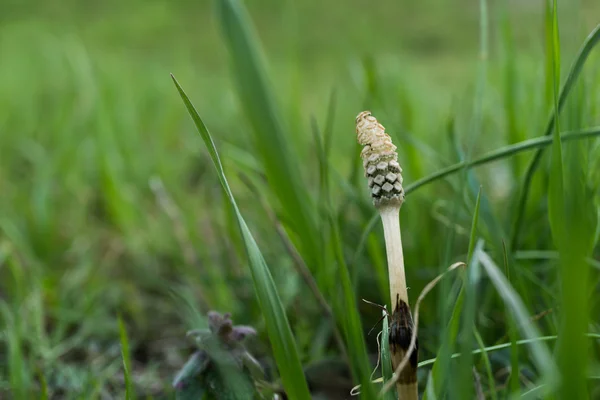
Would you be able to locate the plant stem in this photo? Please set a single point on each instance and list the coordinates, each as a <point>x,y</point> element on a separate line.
<point>499,154</point>
<point>401,326</point>
<point>390,218</point>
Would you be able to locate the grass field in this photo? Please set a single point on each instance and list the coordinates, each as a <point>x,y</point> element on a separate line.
<point>111,208</point>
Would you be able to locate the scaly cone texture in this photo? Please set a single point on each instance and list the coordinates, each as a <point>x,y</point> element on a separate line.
<point>383,172</point>
<point>380,161</point>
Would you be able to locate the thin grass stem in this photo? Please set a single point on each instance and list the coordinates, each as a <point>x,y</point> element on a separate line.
<point>499,154</point>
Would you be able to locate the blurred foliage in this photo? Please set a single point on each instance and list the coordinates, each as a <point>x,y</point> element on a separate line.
<point>109,204</point>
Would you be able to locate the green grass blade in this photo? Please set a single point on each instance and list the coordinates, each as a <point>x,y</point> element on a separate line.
<point>503,346</point>
<point>386,358</point>
<point>345,308</point>
<point>499,154</point>
<point>15,359</point>
<point>278,327</point>
<point>487,364</point>
<point>463,382</point>
<point>473,234</point>
<point>378,260</point>
<point>442,363</point>
<point>573,217</point>
<point>429,390</point>
<point>536,392</point>
<point>271,140</point>
<point>540,355</point>
<point>326,149</point>
<point>510,81</point>
<point>370,241</point>
<point>322,141</point>
<point>568,224</point>
<point>477,118</point>
<point>577,231</point>
<point>347,311</point>
<point>371,224</point>
<point>322,159</point>
<point>513,384</point>
<point>588,45</point>
<point>549,56</point>
<point>43,386</point>
<point>126,356</point>
<point>555,190</point>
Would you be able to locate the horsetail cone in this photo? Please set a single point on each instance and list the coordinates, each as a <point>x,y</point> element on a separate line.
<point>380,161</point>
<point>384,177</point>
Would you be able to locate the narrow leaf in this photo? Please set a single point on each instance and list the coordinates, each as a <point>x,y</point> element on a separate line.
<point>125,355</point>
<point>588,45</point>
<point>442,362</point>
<point>348,312</point>
<point>499,154</point>
<point>278,327</point>
<point>386,358</point>
<point>539,353</point>
<point>271,140</point>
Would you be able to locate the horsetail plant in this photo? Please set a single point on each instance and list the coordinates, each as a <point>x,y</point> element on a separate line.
<point>384,175</point>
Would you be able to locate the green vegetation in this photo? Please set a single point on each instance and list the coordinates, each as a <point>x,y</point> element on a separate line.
<point>118,235</point>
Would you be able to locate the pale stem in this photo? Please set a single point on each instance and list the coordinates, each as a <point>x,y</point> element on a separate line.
<point>390,218</point>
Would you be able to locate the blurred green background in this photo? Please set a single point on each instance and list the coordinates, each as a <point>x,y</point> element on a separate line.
<point>109,204</point>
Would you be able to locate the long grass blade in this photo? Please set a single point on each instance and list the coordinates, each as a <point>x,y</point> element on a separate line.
<point>350,318</point>
<point>502,346</point>
<point>442,362</point>
<point>513,385</point>
<point>126,356</point>
<point>271,140</point>
<point>43,386</point>
<point>556,206</point>
<point>588,45</point>
<point>386,358</point>
<point>499,154</point>
<point>540,355</point>
<point>488,366</point>
<point>278,327</point>
<point>510,81</point>
<point>573,217</point>
<point>463,386</point>
<point>15,360</point>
